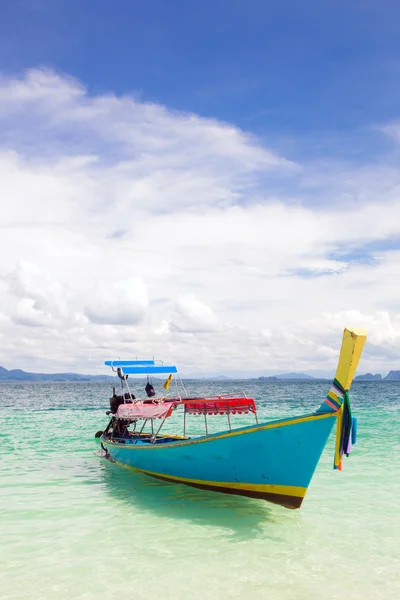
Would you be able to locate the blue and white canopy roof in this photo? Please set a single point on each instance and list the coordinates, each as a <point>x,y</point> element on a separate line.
<point>141,367</point>
<point>128,363</point>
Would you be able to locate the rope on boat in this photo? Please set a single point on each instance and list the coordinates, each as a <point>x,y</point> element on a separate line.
<point>346,428</point>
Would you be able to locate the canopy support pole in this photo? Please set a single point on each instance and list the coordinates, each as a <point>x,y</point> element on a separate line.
<point>205,419</point>
<point>184,389</point>
<point>130,394</point>
<point>176,387</point>
<point>255,414</point>
<point>153,437</point>
<point>229,418</point>
<point>184,422</point>
<point>127,387</point>
<point>140,432</point>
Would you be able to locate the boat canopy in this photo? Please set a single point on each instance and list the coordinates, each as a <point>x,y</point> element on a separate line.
<point>220,406</point>
<point>145,411</point>
<point>150,370</point>
<point>128,363</point>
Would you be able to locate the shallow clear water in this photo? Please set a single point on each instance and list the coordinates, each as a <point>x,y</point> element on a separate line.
<point>78,527</point>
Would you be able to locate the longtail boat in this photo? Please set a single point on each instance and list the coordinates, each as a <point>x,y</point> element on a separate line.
<point>273,461</point>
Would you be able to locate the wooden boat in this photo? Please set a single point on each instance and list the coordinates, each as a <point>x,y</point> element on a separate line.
<point>273,461</point>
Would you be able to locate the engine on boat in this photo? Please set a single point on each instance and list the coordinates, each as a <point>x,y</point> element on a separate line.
<point>115,401</point>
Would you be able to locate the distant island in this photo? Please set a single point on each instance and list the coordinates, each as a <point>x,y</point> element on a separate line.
<point>19,375</point>
<point>286,376</point>
<point>368,377</point>
<point>391,376</point>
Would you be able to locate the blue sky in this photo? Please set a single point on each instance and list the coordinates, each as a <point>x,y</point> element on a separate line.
<point>268,66</point>
<point>224,175</point>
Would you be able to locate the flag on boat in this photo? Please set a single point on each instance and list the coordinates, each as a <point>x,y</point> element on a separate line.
<point>166,384</point>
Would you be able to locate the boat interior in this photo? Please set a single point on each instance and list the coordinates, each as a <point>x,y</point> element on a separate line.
<point>140,420</point>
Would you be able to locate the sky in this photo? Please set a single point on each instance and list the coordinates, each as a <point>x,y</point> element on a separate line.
<point>215,184</point>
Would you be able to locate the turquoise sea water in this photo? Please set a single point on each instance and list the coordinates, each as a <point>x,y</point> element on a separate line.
<point>78,527</point>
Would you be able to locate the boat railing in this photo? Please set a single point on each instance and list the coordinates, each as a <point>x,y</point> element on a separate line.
<point>179,398</point>
<point>216,397</point>
<point>162,408</point>
<point>156,399</point>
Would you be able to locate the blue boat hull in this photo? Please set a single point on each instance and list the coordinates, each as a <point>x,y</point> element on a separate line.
<point>273,461</point>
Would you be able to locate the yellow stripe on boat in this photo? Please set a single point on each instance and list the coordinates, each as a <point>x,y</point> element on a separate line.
<point>264,488</point>
<point>334,397</point>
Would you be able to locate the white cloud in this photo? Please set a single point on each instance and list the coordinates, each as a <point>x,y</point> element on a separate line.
<point>45,294</point>
<point>392,130</point>
<point>130,229</point>
<point>193,316</point>
<point>121,303</point>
